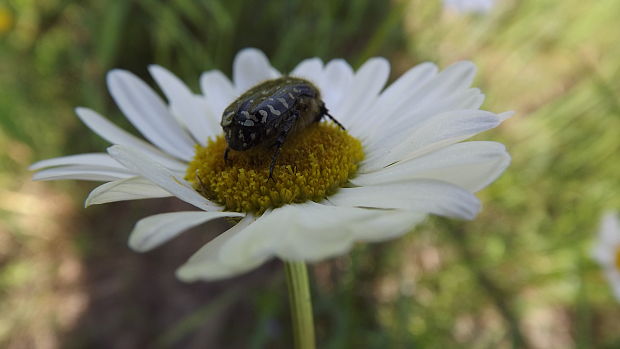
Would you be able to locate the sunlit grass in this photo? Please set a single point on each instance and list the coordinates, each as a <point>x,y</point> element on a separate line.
<point>518,275</point>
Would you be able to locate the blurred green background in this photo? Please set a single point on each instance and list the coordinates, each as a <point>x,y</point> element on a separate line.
<point>519,276</point>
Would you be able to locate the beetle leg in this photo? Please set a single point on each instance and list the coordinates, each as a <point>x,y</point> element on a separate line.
<point>200,182</point>
<point>324,111</point>
<point>226,155</point>
<point>286,128</point>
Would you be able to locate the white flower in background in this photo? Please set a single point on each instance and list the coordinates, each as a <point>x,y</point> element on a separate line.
<point>469,6</point>
<point>409,134</point>
<point>607,250</point>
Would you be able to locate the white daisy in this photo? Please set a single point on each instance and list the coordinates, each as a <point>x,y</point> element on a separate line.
<point>469,6</point>
<point>409,135</point>
<point>607,250</point>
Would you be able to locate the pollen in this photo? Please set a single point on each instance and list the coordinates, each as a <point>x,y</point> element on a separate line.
<point>312,164</point>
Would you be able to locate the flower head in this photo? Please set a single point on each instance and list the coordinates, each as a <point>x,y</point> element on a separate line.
<point>400,159</point>
<point>607,250</point>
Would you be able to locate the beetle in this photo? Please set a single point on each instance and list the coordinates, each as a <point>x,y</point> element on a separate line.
<point>269,112</point>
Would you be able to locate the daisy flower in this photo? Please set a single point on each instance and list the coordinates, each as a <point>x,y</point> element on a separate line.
<point>400,159</point>
<point>607,250</point>
<point>469,6</point>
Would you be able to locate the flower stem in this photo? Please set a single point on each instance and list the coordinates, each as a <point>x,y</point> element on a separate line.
<point>301,304</point>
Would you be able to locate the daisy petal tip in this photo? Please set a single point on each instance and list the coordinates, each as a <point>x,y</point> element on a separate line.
<point>250,54</point>
<point>380,60</point>
<point>505,115</point>
<point>506,159</point>
<point>140,240</point>
<point>36,166</point>
<point>318,60</point>
<point>427,65</point>
<point>211,74</point>
<point>160,73</point>
<point>470,209</point>
<point>93,199</point>
<point>157,71</point>
<point>340,64</point>
<point>138,246</point>
<point>379,63</point>
<point>469,213</point>
<point>463,71</point>
<point>36,177</point>
<point>189,272</point>
<point>467,66</point>
<point>185,274</point>
<point>86,114</point>
<point>155,68</point>
<point>474,212</point>
<point>250,51</point>
<point>80,110</point>
<point>115,74</point>
<point>115,150</point>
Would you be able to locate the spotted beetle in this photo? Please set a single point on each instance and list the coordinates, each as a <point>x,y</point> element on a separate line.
<point>271,111</point>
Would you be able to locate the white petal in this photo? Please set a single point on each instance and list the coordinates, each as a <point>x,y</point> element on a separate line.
<point>82,172</point>
<point>141,164</point>
<point>116,135</point>
<point>402,121</point>
<point>458,76</point>
<point>148,113</point>
<point>206,263</point>
<point>399,93</point>
<point>409,83</point>
<point>422,195</point>
<point>312,231</point>
<point>364,89</point>
<point>334,84</point>
<point>437,132</point>
<point>468,98</point>
<point>608,242</point>
<point>609,230</point>
<point>308,231</point>
<point>211,119</point>
<point>472,98</point>
<point>218,90</point>
<point>134,188</point>
<point>96,159</point>
<point>505,115</point>
<point>153,231</point>
<point>310,69</point>
<point>440,93</point>
<point>605,254</point>
<point>250,67</point>
<point>470,165</point>
<point>185,105</point>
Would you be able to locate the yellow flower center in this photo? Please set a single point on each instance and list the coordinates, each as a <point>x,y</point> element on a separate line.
<point>312,164</point>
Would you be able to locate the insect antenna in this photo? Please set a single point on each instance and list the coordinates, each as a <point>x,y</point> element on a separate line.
<point>226,155</point>
<point>200,182</point>
<point>326,112</point>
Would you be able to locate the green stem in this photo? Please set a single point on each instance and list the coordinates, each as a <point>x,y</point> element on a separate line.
<point>301,304</point>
